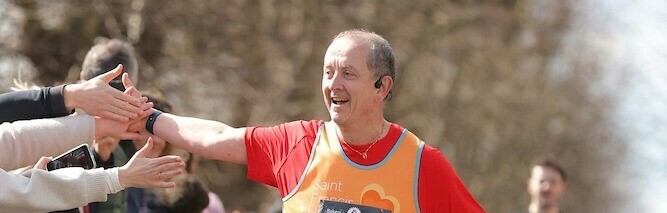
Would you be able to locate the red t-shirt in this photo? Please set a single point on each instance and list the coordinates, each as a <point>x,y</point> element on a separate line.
<point>278,156</point>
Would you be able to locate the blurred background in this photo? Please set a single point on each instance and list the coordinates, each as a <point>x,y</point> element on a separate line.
<point>492,84</point>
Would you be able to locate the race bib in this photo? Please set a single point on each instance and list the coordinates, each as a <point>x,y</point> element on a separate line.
<point>338,207</point>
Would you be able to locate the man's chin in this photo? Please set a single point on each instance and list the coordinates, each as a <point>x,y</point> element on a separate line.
<point>546,204</point>
<point>336,118</point>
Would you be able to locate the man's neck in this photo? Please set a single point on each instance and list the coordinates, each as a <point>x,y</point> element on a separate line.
<point>535,208</point>
<point>363,133</point>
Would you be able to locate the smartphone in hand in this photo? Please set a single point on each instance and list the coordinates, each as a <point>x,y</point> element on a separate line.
<point>80,156</point>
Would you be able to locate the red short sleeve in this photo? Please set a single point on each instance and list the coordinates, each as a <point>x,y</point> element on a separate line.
<point>268,148</point>
<point>440,188</point>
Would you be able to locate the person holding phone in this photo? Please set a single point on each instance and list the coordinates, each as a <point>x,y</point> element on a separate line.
<point>70,131</point>
<point>73,187</point>
<point>24,142</point>
<point>80,156</point>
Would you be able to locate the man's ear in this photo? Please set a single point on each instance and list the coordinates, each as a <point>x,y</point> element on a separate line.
<point>387,83</point>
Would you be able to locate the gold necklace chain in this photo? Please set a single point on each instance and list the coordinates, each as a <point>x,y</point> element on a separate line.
<point>365,153</point>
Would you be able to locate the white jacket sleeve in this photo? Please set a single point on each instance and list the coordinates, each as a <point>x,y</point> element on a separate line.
<point>41,191</point>
<point>22,143</point>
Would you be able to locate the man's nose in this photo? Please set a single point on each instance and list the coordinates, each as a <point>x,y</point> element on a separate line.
<point>545,186</point>
<point>335,83</point>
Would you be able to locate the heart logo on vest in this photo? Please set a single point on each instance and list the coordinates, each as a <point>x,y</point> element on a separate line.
<point>374,195</point>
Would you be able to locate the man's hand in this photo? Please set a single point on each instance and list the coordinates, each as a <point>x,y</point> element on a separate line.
<point>98,98</point>
<point>140,124</point>
<point>142,172</point>
<point>111,128</point>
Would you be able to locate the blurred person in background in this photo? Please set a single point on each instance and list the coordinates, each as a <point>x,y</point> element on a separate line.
<point>214,202</point>
<point>110,152</point>
<point>358,143</point>
<point>189,196</point>
<point>106,54</point>
<point>546,186</point>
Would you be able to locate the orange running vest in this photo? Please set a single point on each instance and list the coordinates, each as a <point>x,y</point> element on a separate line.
<point>330,175</point>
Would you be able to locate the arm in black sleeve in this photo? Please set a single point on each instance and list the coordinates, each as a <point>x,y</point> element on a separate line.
<point>47,102</point>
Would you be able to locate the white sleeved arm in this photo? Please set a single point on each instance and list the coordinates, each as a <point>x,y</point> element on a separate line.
<point>22,143</point>
<point>112,180</point>
<point>41,191</point>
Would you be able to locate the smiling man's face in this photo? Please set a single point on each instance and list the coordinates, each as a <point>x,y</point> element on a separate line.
<point>347,82</point>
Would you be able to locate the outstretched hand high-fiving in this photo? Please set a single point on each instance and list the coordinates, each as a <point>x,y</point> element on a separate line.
<point>143,172</point>
<point>98,98</point>
<point>139,124</point>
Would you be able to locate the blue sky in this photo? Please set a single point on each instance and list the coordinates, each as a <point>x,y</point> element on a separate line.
<point>633,36</point>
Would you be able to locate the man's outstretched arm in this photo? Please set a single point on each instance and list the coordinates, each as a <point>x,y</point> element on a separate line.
<point>209,139</point>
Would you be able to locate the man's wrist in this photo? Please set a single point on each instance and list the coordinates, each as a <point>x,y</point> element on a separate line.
<point>150,121</point>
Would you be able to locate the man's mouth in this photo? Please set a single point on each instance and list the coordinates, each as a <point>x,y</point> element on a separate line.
<point>339,101</point>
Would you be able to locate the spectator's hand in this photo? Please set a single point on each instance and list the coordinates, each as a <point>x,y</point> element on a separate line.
<point>141,141</point>
<point>129,85</point>
<point>111,128</point>
<point>140,124</point>
<point>142,172</point>
<point>158,144</point>
<point>104,146</point>
<point>41,163</point>
<point>98,98</point>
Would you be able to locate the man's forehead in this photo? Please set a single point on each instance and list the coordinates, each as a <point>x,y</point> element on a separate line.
<point>345,49</point>
<point>544,172</point>
<point>343,46</point>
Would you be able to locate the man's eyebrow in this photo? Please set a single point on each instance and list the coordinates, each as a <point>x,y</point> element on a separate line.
<point>349,66</point>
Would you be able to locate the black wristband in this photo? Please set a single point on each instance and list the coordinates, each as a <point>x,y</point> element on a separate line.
<point>151,120</point>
